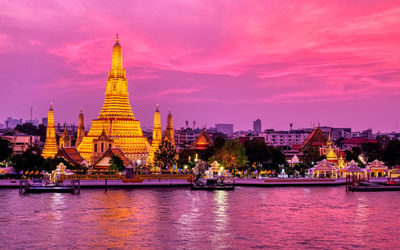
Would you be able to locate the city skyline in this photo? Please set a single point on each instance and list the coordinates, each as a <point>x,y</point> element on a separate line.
<point>341,71</point>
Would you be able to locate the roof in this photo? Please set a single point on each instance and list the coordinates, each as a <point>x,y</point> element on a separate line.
<point>115,152</point>
<point>357,141</point>
<point>203,141</point>
<point>71,155</point>
<point>324,165</point>
<point>353,168</point>
<point>316,138</point>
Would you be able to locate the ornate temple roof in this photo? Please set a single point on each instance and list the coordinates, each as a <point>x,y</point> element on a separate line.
<point>202,142</point>
<point>71,155</point>
<point>110,153</point>
<point>316,139</point>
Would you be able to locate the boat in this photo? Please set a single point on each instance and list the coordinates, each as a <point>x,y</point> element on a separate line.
<point>212,184</point>
<point>42,186</point>
<point>214,179</point>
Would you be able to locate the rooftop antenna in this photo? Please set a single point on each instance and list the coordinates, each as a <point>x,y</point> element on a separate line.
<point>31,111</point>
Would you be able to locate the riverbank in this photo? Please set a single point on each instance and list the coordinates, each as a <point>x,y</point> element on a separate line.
<point>173,182</point>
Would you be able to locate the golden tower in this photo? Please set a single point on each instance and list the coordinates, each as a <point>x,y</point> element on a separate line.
<point>50,146</point>
<point>115,122</point>
<point>81,129</point>
<point>65,139</point>
<point>169,131</point>
<point>157,137</point>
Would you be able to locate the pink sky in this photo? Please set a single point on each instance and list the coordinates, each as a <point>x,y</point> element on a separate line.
<point>337,62</point>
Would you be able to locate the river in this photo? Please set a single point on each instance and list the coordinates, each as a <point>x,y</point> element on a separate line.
<point>178,218</point>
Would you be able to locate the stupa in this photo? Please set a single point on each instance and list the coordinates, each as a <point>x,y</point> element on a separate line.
<point>157,136</point>
<point>116,125</point>
<point>50,146</point>
<point>169,131</point>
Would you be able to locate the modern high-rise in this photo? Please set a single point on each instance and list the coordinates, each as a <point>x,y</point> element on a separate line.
<point>257,127</point>
<point>224,128</point>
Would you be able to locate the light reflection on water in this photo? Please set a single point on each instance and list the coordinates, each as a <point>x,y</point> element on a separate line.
<point>309,217</point>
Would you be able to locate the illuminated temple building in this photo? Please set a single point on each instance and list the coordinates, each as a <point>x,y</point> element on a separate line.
<point>50,146</point>
<point>116,126</point>
<point>157,136</point>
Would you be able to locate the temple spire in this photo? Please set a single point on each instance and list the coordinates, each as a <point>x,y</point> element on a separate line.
<point>157,137</point>
<point>50,146</point>
<point>169,131</point>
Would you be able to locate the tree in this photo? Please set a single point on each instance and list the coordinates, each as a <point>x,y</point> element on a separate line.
<point>231,155</point>
<point>5,149</point>
<point>372,151</point>
<point>164,157</point>
<point>311,155</point>
<point>391,154</point>
<point>117,164</point>
<point>256,151</point>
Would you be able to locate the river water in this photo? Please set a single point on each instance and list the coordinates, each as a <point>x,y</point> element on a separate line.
<point>178,218</point>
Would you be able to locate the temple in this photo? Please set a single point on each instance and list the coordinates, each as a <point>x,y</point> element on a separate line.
<point>157,136</point>
<point>50,146</point>
<point>65,139</point>
<point>169,131</point>
<point>116,126</point>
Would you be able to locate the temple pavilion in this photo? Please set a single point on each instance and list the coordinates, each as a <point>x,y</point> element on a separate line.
<point>377,169</point>
<point>116,126</point>
<point>324,168</point>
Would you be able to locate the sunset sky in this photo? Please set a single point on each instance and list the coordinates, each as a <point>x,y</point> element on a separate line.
<point>337,62</point>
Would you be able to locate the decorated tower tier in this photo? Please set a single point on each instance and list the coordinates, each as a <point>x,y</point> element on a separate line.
<point>116,125</point>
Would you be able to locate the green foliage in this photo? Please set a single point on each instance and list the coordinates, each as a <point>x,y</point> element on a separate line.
<point>269,157</point>
<point>256,151</point>
<point>5,150</point>
<point>311,155</point>
<point>391,154</point>
<point>231,155</point>
<point>372,151</point>
<point>30,129</point>
<point>32,161</point>
<point>164,157</point>
<point>117,164</point>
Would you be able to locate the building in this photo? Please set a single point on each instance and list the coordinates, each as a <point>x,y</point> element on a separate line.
<point>285,138</point>
<point>336,133</point>
<point>257,127</point>
<point>185,137</point>
<point>103,163</point>
<point>12,123</point>
<point>44,120</point>
<point>65,139</point>
<point>50,146</point>
<point>116,126</point>
<point>21,142</point>
<point>72,156</point>
<point>224,128</point>
<point>349,144</point>
<point>317,138</point>
<point>367,134</point>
